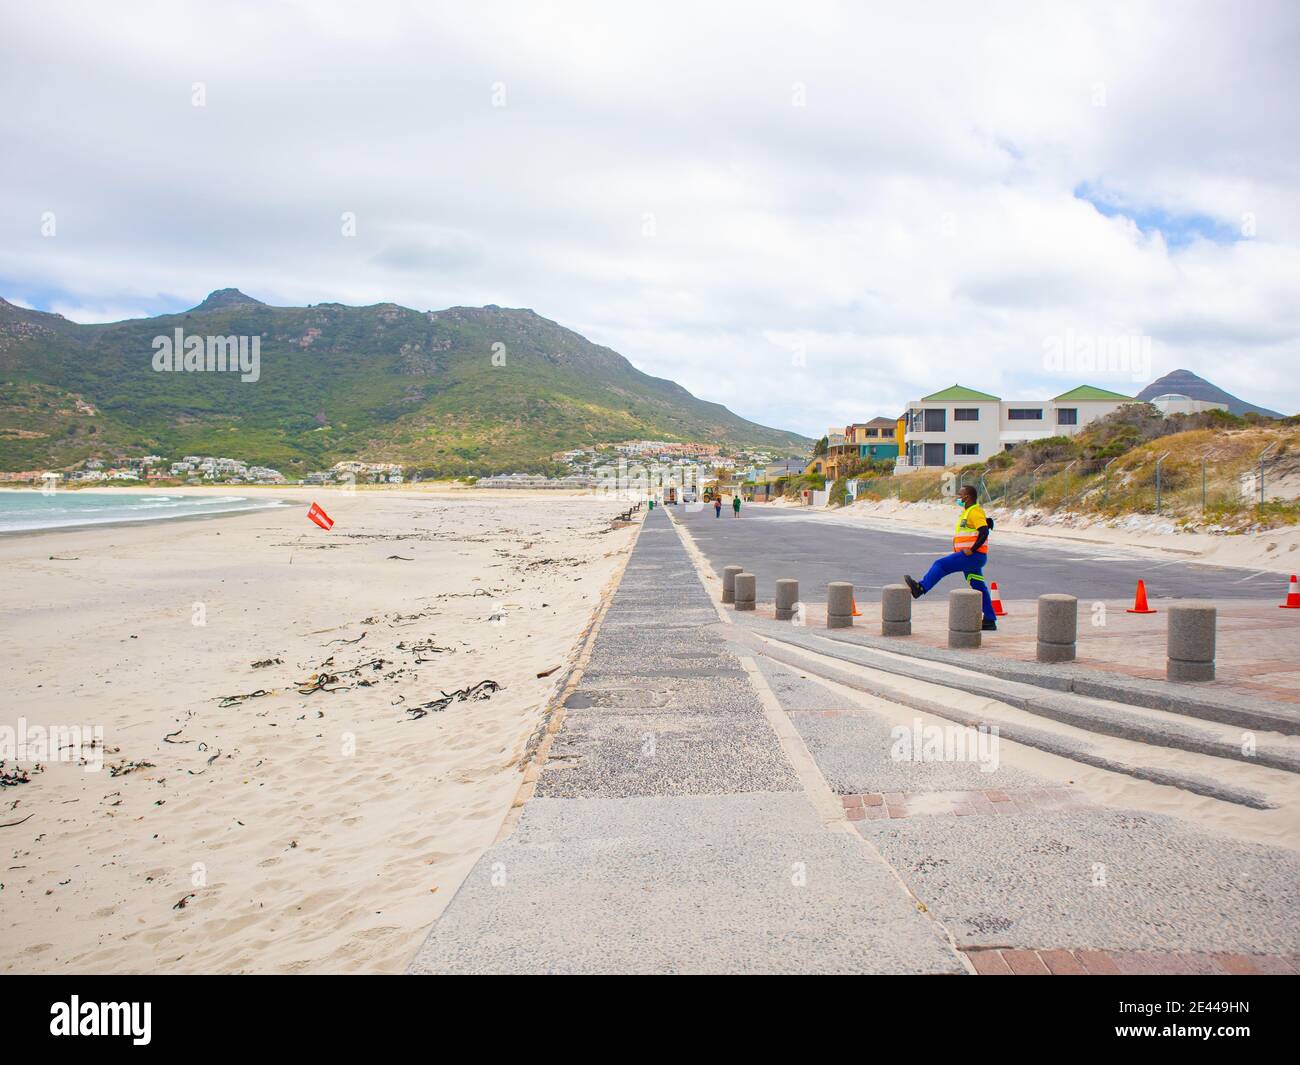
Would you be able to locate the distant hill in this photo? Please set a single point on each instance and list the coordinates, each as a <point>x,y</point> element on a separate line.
<point>384,383</point>
<point>1186,383</point>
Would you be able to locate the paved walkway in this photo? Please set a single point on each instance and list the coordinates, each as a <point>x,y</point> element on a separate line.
<point>669,831</point>
<point>680,824</point>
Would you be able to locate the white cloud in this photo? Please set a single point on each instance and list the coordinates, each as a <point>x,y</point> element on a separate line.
<point>651,182</point>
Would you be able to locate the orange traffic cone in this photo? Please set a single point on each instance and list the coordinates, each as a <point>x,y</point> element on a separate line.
<point>997,600</point>
<point>1140,601</point>
<point>854,601</point>
<point>1292,596</point>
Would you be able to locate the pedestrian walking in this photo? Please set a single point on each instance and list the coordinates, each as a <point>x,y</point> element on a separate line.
<point>970,552</point>
<point>735,505</point>
<point>717,506</point>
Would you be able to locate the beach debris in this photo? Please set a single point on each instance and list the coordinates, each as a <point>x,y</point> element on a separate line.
<point>11,778</point>
<point>537,563</point>
<point>168,737</point>
<point>319,682</point>
<point>184,902</point>
<point>267,662</point>
<point>402,558</point>
<point>484,689</point>
<point>459,595</point>
<point>547,672</point>
<point>357,640</point>
<point>329,682</point>
<point>419,647</point>
<point>235,700</point>
<point>65,558</point>
<point>319,517</point>
<point>11,824</point>
<point>122,768</point>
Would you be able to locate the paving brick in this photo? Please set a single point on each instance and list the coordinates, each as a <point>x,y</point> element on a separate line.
<point>989,963</point>
<point>1025,963</point>
<point>1142,963</point>
<point>1097,963</point>
<point>1201,964</point>
<point>1062,963</point>
<point>1273,965</point>
<point>1236,964</point>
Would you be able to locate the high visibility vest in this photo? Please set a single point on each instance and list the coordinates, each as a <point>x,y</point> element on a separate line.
<point>966,534</point>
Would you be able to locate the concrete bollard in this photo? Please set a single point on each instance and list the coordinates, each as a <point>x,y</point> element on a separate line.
<point>895,610</point>
<point>1058,627</point>
<point>839,605</point>
<point>746,588</point>
<point>787,595</point>
<point>965,613</point>
<point>729,582</point>
<point>1191,641</point>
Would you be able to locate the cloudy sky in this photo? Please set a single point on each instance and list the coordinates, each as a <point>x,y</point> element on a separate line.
<point>811,212</point>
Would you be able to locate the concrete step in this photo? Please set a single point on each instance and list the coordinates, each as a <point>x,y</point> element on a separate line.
<point>1205,778</point>
<point>1106,717</point>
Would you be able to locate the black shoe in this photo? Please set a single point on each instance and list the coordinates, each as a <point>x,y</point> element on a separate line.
<point>917,590</point>
<point>989,625</point>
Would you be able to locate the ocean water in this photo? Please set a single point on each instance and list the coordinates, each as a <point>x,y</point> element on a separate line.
<point>26,510</point>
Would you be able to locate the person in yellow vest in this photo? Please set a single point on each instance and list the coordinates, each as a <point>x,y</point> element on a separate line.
<point>970,551</point>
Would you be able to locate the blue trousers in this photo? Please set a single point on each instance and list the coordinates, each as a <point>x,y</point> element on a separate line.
<point>971,565</point>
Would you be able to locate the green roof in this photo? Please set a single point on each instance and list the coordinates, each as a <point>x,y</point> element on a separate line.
<point>1086,392</point>
<point>957,392</point>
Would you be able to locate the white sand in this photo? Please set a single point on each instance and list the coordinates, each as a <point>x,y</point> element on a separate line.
<point>329,829</point>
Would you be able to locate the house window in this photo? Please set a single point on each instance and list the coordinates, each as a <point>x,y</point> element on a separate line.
<point>1067,416</point>
<point>873,432</point>
<point>1025,414</point>
<point>936,421</point>
<point>966,414</point>
<point>965,449</point>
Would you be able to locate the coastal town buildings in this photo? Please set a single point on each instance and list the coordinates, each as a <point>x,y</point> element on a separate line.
<point>958,425</point>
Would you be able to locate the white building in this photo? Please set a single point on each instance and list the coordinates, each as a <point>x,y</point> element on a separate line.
<point>1174,403</point>
<point>958,426</point>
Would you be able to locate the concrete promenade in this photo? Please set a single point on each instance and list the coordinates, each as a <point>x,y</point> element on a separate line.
<point>705,807</point>
<point>669,831</point>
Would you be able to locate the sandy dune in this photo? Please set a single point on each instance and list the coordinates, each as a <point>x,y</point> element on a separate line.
<point>284,832</point>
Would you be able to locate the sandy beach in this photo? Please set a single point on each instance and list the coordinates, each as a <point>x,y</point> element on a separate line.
<point>281,790</point>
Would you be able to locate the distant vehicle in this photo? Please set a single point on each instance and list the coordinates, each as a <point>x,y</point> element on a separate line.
<point>670,496</point>
<point>688,495</point>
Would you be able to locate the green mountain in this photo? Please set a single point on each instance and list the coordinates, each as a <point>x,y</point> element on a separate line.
<point>382,383</point>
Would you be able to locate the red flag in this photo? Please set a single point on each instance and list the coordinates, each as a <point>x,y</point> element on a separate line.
<point>320,517</point>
